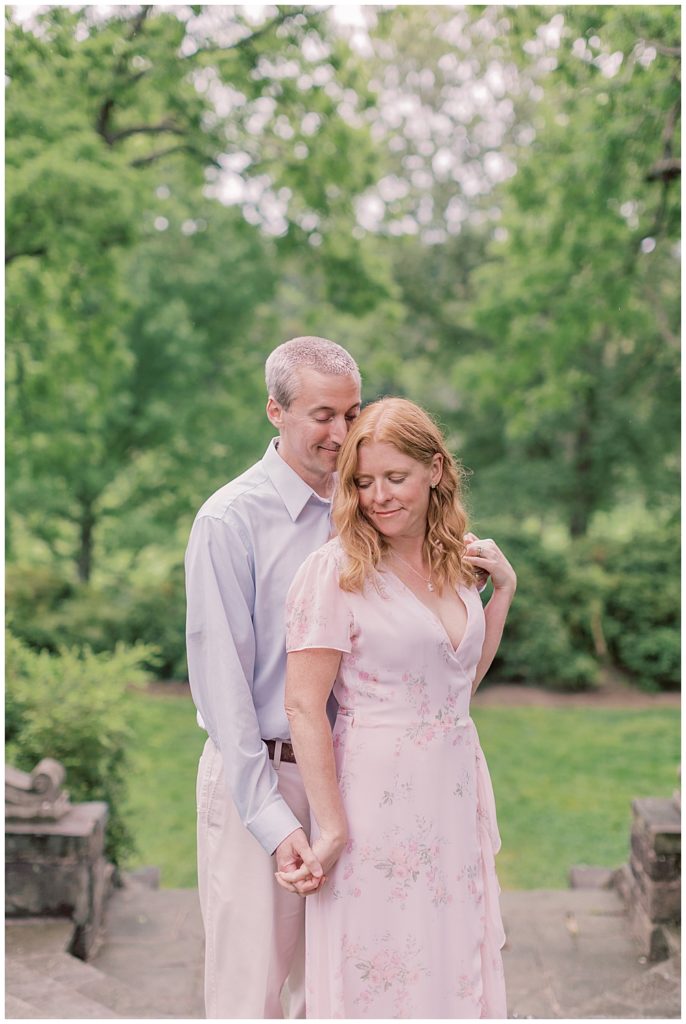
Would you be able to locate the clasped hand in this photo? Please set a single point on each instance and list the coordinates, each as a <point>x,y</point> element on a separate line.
<point>303,868</point>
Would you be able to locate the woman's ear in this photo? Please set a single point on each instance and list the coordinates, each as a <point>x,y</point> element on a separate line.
<point>436,469</point>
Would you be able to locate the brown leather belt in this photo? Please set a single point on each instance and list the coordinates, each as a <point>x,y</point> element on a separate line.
<point>286,750</point>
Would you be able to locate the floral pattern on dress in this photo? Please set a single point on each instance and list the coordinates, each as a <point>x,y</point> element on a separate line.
<point>345,751</point>
<point>403,859</point>
<point>316,614</point>
<point>303,622</point>
<point>386,968</point>
<point>430,724</point>
<point>401,789</point>
<point>418,875</point>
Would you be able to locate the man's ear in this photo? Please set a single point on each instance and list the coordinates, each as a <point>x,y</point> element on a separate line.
<point>274,413</point>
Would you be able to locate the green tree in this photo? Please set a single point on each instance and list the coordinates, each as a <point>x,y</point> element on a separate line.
<point>135,298</point>
<point>580,296</point>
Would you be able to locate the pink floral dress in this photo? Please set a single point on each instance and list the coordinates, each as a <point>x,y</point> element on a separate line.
<point>408,923</point>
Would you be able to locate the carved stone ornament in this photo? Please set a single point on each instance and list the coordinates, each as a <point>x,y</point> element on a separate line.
<point>37,794</point>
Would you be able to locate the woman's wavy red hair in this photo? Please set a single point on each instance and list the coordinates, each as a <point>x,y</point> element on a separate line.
<point>411,430</point>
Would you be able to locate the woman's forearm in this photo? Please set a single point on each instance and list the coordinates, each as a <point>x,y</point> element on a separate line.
<point>310,674</point>
<point>495,614</point>
<point>313,746</point>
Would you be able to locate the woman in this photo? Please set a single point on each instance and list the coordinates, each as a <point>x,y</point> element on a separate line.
<point>408,922</point>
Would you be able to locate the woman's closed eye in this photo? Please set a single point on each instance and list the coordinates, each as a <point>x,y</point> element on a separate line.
<point>362,484</point>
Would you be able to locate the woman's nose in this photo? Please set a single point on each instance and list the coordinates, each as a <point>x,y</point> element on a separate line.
<point>380,491</point>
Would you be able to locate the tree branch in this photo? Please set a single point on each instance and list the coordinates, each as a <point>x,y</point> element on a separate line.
<point>247,41</point>
<point>670,166</point>
<point>664,170</point>
<point>143,161</point>
<point>102,123</point>
<point>103,119</point>
<point>145,129</point>
<point>666,51</point>
<point>9,256</point>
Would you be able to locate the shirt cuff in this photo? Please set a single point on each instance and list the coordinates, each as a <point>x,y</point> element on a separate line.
<point>273,824</point>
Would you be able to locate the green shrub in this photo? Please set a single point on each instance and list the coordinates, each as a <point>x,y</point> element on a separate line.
<point>35,597</point>
<point>157,616</point>
<point>73,706</point>
<point>643,605</point>
<point>588,602</point>
<point>48,612</point>
<point>549,636</point>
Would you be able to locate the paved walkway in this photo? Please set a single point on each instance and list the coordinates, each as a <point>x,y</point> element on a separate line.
<point>568,955</point>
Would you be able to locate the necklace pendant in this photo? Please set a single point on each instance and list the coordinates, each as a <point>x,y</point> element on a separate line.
<point>430,586</point>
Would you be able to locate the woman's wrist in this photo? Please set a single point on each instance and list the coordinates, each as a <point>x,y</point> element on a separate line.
<point>506,590</point>
<point>337,835</point>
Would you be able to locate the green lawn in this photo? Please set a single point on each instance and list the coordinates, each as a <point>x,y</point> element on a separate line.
<point>563,779</point>
<point>161,808</point>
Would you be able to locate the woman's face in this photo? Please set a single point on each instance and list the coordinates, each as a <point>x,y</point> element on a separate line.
<point>394,489</point>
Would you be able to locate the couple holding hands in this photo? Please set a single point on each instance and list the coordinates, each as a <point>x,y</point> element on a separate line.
<point>342,765</point>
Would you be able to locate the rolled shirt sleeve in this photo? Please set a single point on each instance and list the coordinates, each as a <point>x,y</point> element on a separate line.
<point>220,637</point>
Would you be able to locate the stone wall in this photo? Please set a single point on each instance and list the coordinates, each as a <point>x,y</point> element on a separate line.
<point>59,868</point>
<point>650,883</point>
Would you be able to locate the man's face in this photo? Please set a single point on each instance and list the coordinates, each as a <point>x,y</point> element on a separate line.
<point>314,427</point>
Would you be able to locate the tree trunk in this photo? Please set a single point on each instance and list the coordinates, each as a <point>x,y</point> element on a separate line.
<point>584,498</point>
<point>84,561</point>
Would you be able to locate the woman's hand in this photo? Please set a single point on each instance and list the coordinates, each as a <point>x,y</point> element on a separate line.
<point>486,555</point>
<point>327,850</point>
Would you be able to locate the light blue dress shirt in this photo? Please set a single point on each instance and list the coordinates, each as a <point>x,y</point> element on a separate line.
<point>247,542</point>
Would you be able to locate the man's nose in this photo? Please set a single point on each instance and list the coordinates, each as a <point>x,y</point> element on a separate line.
<point>339,429</point>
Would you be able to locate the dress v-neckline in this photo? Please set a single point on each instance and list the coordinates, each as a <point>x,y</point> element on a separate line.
<point>432,615</point>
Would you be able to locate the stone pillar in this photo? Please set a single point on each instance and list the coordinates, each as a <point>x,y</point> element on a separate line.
<point>59,868</point>
<point>650,883</point>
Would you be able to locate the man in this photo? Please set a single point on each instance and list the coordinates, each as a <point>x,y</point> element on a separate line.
<point>245,546</point>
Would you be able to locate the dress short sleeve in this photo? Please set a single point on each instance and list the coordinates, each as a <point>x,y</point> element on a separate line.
<point>317,611</point>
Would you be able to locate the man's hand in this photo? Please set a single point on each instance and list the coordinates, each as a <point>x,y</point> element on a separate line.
<point>326,851</point>
<point>294,857</point>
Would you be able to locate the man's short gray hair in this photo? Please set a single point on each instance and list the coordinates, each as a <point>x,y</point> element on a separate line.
<point>281,368</point>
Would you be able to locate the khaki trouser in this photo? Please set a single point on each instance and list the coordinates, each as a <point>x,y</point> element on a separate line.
<point>254,929</point>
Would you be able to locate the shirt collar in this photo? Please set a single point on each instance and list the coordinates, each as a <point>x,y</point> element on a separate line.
<point>291,488</point>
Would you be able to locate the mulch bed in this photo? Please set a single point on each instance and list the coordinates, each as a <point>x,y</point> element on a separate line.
<point>612,694</point>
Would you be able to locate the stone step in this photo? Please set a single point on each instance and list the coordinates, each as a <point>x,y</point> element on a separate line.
<point>154,943</point>
<point>35,936</point>
<point>49,998</point>
<point>17,1009</point>
<point>655,993</point>
<point>570,945</point>
<point>40,944</point>
<point>87,981</point>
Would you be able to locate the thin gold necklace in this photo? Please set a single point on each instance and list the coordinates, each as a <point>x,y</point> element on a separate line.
<point>429,581</point>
